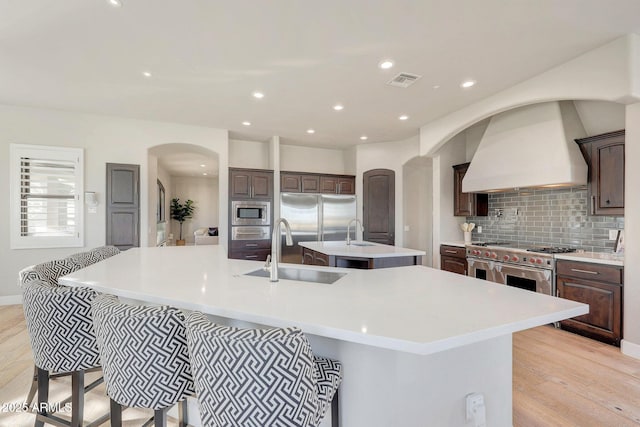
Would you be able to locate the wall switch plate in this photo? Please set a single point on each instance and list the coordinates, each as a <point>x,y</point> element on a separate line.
<point>407,228</point>
<point>476,410</point>
<point>613,234</point>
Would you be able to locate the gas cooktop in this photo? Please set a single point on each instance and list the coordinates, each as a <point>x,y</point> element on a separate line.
<point>551,250</point>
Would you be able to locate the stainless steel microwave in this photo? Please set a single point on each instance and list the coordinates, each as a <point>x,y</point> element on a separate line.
<point>250,212</point>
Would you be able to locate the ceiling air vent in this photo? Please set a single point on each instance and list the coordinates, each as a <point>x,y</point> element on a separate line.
<point>403,80</point>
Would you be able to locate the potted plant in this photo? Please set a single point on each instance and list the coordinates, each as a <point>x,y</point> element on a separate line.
<point>181,212</point>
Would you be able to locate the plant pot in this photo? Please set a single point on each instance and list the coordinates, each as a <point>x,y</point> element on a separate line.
<point>180,242</point>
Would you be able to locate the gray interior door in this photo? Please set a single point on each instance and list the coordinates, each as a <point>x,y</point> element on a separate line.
<point>379,206</point>
<point>123,205</point>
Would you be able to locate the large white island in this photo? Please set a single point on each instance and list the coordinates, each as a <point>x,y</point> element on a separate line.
<point>414,341</point>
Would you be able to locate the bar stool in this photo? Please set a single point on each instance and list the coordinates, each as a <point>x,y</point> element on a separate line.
<point>259,377</point>
<point>94,255</point>
<point>60,328</point>
<point>144,357</point>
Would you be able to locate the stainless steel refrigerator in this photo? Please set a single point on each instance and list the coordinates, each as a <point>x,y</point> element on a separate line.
<point>315,217</point>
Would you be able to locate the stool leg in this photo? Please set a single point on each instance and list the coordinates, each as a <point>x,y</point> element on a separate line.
<point>116,413</point>
<point>43,395</point>
<point>182,413</point>
<point>34,387</point>
<point>77,398</point>
<point>160,417</point>
<point>335,416</point>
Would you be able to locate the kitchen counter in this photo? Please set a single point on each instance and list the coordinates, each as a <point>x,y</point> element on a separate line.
<point>593,257</point>
<point>359,248</point>
<point>413,340</point>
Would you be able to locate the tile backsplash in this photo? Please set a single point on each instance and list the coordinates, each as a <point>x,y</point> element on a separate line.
<point>555,217</point>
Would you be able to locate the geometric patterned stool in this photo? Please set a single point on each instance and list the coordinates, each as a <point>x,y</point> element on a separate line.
<point>144,357</point>
<point>259,377</point>
<point>60,327</point>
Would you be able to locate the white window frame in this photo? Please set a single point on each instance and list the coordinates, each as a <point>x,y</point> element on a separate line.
<point>18,151</point>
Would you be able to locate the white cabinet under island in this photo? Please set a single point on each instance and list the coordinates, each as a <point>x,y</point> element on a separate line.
<point>414,341</point>
<point>358,254</point>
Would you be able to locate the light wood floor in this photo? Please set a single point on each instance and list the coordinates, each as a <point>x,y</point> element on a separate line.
<point>559,379</point>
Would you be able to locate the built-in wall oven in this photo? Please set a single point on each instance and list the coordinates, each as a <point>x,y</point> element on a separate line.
<point>250,212</point>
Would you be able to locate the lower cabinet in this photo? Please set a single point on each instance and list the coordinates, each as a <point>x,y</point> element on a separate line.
<point>255,250</point>
<point>311,257</point>
<point>599,286</point>
<point>453,259</point>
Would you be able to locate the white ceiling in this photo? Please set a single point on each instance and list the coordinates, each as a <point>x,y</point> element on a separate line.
<point>207,57</point>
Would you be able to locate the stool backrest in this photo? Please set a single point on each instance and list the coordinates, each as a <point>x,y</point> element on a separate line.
<point>144,353</point>
<point>60,326</point>
<point>252,377</point>
<point>50,271</point>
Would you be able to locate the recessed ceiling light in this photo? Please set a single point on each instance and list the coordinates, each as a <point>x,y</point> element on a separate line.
<point>436,86</point>
<point>467,84</point>
<point>202,166</point>
<point>403,117</point>
<point>311,131</point>
<point>146,74</point>
<point>246,123</point>
<point>385,64</point>
<point>204,173</point>
<point>338,107</point>
<point>364,137</point>
<point>115,3</point>
<point>258,95</point>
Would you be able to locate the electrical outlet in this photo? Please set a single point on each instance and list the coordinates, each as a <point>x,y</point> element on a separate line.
<point>479,228</point>
<point>613,234</point>
<point>476,409</point>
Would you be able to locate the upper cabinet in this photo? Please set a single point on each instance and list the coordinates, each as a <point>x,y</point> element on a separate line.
<point>467,204</point>
<point>251,183</point>
<point>605,157</point>
<point>300,182</point>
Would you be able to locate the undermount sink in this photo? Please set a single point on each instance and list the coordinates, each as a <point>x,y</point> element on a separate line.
<point>361,244</point>
<point>301,275</point>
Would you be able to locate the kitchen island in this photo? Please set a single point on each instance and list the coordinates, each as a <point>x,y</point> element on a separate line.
<point>414,341</point>
<point>358,254</point>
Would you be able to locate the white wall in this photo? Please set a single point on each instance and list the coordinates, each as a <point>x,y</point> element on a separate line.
<point>310,159</point>
<point>417,176</point>
<point>105,139</point>
<point>386,155</point>
<point>204,193</point>
<point>599,117</point>
<point>248,154</point>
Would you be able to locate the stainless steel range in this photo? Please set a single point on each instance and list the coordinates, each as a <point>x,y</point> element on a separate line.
<point>532,269</point>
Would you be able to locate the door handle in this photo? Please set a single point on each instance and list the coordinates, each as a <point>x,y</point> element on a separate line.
<point>593,205</point>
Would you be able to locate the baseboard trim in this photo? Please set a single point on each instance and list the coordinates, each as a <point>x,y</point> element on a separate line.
<point>630,349</point>
<point>11,300</point>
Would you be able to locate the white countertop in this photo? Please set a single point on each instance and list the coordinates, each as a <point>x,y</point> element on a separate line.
<point>412,309</point>
<point>459,244</point>
<point>372,250</point>
<point>594,257</point>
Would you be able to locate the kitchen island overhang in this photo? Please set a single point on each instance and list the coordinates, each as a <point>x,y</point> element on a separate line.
<point>397,330</point>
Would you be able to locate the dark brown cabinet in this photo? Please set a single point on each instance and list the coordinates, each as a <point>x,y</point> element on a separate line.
<point>311,257</point>
<point>467,204</point>
<point>300,182</point>
<point>256,250</point>
<point>453,259</point>
<point>599,286</point>
<point>250,184</point>
<point>605,157</point>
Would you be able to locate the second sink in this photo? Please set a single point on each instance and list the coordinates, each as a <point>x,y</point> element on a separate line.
<point>301,275</point>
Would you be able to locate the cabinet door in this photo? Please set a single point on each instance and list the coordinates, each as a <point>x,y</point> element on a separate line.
<point>607,186</point>
<point>454,265</point>
<point>290,183</point>
<point>240,183</point>
<point>328,184</point>
<point>347,185</point>
<point>604,321</point>
<point>310,183</point>
<point>307,256</point>
<point>261,184</point>
<point>320,259</point>
<point>123,206</point>
<point>463,203</point>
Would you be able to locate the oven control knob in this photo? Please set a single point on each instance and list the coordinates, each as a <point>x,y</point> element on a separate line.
<point>476,252</point>
<point>487,253</point>
<point>506,257</point>
<point>538,261</point>
<point>515,259</point>
<point>532,260</point>
<point>494,255</point>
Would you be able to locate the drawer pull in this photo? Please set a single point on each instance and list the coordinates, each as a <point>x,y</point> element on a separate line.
<point>449,251</point>
<point>251,245</point>
<point>251,256</point>
<point>577,270</point>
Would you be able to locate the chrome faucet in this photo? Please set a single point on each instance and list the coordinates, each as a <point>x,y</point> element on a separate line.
<point>349,229</point>
<point>272,260</point>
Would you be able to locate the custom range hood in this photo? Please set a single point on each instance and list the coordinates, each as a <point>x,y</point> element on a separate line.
<point>526,147</point>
